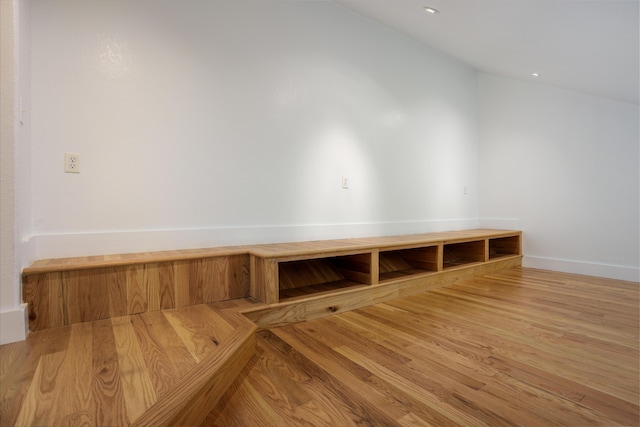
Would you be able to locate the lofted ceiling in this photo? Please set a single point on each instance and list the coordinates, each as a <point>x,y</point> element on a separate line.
<point>590,46</point>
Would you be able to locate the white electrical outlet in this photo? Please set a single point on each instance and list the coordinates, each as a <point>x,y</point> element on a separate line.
<point>345,182</point>
<point>72,163</point>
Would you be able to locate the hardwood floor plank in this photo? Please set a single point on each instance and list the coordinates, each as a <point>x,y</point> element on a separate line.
<point>625,413</point>
<point>280,381</point>
<point>40,405</point>
<point>60,391</point>
<point>422,388</point>
<point>199,337</point>
<point>75,385</point>
<point>138,388</point>
<point>198,345</point>
<point>107,389</point>
<point>522,347</point>
<point>243,406</point>
<point>357,379</point>
<point>346,408</point>
<point>161,369</point>
<point>197,392</point>
<point>19,363</point>
<point>169,341</point>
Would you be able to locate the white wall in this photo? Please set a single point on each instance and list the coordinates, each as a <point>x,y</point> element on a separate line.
<point>232,122</point>
<point>564,167</point>
<point>13,148</point>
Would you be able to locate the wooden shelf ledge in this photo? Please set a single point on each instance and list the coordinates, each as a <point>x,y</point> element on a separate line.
<point>321,248</point>
<point>119,260</point>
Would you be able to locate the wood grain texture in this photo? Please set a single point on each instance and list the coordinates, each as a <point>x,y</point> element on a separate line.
<point>265,251</point>
<point>85,294</point>
<point>73,290</point>
<point>398,263</point>
<point>350,295</point>
<point>456,254</point>
<point>112,372</point>
<point>502,246</point>
<point>321,248</point>
<point>119,260</point>
<point>264,280</point>
<point>518,347</point>
<point>197,392</point>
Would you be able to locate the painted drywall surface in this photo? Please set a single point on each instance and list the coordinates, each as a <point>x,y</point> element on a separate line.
<point>8,296</point>
<point>22,146</point>
<point>566,165</point>
<point>231,117</point>
<point>13,315</point>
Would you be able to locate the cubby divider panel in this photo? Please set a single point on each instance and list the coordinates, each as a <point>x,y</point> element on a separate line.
<point>504,246</point>
<point>457,254</point>
<point>400,263</point>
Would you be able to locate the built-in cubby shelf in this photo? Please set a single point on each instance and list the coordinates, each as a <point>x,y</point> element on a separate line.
<point>301,278</point>
<point>302,281</point>
<point>463,253</point>
<point>504,246</point>
<point>286,272</point>
<point>401,263</point>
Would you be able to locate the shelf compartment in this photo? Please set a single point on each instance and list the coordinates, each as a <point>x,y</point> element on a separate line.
<point>504,246</point>
<point>311,276</point>
<point>395,264</point>
<point>457,254</point>
<point>331,288</point>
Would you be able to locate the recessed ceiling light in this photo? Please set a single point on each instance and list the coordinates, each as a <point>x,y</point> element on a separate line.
<point>431,10</point>
<point>535,74</point>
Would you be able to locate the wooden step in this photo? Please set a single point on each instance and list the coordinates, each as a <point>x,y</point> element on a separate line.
<point>152,369</point>
<point>73,290</point>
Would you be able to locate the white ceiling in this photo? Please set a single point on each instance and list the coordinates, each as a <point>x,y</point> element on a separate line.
<point>590,46</point>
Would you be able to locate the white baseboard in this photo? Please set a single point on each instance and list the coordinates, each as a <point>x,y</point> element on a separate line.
<point>86,244</point>
<point>14,325</point>
<point>501,223</point>
<point>610,271</point>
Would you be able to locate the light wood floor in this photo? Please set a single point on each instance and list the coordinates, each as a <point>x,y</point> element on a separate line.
<point>523,347</point>
<point>109,372</point>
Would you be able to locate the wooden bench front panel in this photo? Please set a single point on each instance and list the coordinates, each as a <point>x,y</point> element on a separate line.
<point>67,297</point>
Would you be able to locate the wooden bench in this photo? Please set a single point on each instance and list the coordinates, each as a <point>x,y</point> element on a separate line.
<point>349,273</point>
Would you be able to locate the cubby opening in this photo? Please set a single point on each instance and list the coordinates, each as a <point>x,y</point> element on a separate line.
<point>457,254</point>
<point>314,276</point>
<point>504,246</point>
<point>407,262</point>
